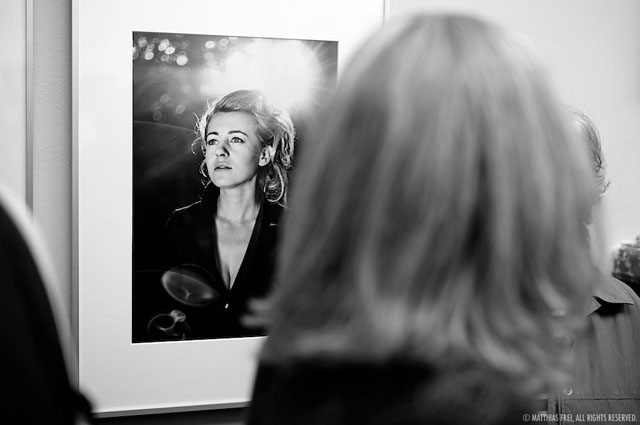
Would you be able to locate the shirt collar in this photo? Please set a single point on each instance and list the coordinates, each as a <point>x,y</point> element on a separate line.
<point>609,291</point>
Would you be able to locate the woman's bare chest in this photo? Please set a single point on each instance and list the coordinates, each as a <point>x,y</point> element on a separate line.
<point>233,240</point>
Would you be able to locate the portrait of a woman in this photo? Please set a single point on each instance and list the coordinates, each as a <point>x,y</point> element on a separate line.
<point>224,244</point>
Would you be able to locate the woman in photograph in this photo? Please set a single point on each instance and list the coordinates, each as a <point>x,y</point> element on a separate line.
<point>224,244</point>
<point>446,267</point>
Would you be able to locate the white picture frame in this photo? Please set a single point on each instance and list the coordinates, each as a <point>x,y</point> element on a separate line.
<point>119,377</point>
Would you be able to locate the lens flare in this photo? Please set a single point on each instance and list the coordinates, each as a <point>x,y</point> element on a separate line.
<point>169,327</point>
<point>190,285</point>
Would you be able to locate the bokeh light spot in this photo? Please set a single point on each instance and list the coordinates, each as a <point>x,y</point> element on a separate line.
<point>163,45</point>
<point>182,60</point>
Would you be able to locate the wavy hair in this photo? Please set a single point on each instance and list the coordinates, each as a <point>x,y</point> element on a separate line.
<point>450,228</point>
<point>275,130</point>
<point>591,135</point>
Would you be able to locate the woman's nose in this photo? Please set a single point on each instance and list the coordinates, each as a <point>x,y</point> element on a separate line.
<point>221,148</point>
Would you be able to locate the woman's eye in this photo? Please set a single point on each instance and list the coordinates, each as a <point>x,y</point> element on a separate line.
<point>236,140</point>
<point>212,142</point>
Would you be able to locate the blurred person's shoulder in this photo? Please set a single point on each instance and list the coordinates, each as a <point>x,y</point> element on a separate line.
<point>376,394</point>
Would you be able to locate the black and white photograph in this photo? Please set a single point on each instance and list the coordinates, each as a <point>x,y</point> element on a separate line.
<point>218,123</point>
<point>321,212</point>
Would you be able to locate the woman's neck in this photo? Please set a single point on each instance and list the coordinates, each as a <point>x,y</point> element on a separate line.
<point>237,205</point>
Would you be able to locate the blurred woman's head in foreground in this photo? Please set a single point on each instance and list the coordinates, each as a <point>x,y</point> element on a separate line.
<point>437,215</point>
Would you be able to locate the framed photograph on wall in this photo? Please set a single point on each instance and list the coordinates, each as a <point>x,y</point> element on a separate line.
<point>184,172</point>
<point>158,318</point>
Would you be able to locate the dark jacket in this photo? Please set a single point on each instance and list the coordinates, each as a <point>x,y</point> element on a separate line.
<point>322,393</point>
<point>607,377</point>
<point>192,240</point>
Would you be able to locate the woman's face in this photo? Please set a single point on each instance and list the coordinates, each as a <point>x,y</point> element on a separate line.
<point>233,152</point>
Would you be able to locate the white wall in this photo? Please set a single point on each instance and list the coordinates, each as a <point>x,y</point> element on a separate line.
<point>592,51</point>
<point>13,105</point>
<point>52,133</point>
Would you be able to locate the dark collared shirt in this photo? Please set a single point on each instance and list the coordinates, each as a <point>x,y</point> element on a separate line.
<point>607,378</point>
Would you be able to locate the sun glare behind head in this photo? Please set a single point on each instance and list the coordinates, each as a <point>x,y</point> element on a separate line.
<point>286,71</point>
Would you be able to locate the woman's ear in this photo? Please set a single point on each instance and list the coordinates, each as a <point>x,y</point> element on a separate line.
<point>265,156</point>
